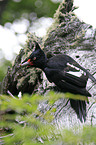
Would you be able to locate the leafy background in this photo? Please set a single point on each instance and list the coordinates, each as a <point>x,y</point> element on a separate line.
<point>22,122</point>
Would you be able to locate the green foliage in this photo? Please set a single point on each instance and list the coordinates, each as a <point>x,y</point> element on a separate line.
<point>3,67</point>
<point>23,122</point>
<point>29,9</point>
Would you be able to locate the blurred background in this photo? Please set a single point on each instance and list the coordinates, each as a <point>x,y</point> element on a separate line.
<point>18,17</point>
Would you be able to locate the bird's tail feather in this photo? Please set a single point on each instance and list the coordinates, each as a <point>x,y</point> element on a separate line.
<point>91,77</point>
<point>80,109</point>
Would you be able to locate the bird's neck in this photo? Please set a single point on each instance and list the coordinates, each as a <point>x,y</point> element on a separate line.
<point>43,63</point>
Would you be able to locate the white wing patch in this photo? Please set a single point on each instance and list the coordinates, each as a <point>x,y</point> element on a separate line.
<point>71,65</point>
<point>77,73</point>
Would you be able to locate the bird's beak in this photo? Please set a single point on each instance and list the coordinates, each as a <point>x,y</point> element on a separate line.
<point>25,64</point>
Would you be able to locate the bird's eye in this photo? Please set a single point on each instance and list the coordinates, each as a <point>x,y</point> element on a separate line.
<point>34,58</point>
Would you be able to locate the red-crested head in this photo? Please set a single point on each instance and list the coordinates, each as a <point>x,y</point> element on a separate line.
<point>36,59</point>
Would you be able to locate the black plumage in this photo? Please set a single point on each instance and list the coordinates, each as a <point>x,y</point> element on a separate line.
<point>61,71</point>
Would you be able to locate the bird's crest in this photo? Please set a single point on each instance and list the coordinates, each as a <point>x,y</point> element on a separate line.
<point>37,47</point>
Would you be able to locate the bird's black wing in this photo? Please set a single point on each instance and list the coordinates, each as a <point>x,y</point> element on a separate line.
<point>69,65</point>
<point>72,65</point>
<point>66,81</point>
<point>73,79</point>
